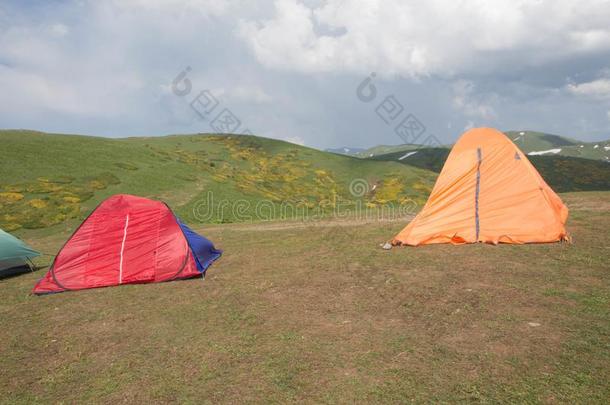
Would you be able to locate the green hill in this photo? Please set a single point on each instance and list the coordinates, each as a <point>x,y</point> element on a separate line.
<point>562,173</point>
<point>47,179</point>
<point>538,143</point>
<point>424,158</point>
<point>588,150</point>
<point>349,151</point>
<point>530,141</point>
<point>384,149</point>
<point>565,173</point>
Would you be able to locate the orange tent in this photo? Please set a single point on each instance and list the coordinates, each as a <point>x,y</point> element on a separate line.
<point>488,191</point>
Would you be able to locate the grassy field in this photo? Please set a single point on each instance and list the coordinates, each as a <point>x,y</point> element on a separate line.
<point>47,180</point>
<point>317,312</point>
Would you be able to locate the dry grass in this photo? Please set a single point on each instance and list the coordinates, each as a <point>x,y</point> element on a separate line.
<point>321,314</point>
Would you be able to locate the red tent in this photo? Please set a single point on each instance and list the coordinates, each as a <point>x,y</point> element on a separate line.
<point>128,240</point>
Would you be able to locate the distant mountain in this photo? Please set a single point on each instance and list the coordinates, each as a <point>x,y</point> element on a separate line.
<point>562,173</point>
<point>374,151</point>
<point>584,150</point>
<point>384,149</point>
<point>530,142</point>
<point>541,144</point>
<point>349,151</point>
<point>425,158</point>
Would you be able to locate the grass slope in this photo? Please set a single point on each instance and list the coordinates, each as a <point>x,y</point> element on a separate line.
<point>318,313</point>
<point>48,179</point>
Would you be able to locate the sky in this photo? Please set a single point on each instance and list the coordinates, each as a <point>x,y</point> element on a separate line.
<point>323,73</point>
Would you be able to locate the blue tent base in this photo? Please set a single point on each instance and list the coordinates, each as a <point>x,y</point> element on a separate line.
<point>16,271</point>
<point>203,250</point>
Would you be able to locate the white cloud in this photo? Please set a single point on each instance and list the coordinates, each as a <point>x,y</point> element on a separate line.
<point>180,7</point>
<point>46,69</point>
<point>242,93</point>
<point>29,91</point>
<point>599,88</point>
<point>591,39</point>
<point>59,30</point>
<point>470,103</point>
<point>413,38</point>
<point>47,94</point>
<point>249,93</point>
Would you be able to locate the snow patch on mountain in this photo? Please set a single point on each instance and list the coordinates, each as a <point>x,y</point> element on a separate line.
<point>545,152</point>
<point>406,155</point>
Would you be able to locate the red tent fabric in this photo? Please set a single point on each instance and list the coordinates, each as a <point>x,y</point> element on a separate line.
<point>126,240</point>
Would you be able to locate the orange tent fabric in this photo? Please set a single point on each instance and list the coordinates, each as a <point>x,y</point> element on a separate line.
<point>488,191</point>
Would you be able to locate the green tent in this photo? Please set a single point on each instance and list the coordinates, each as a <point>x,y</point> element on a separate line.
<point>13,253</point>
